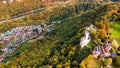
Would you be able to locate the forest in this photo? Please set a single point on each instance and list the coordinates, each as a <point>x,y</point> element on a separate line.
<point>60,48</point>
<point>51,13</point>
<point>15,9</point>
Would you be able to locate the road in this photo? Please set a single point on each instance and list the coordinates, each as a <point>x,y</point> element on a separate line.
<point>33,11</point>
<point>23,15</point>
<point>20,16</point>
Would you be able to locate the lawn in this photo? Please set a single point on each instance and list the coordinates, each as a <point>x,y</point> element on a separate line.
<point>116,32</point>
<point>91,45</point>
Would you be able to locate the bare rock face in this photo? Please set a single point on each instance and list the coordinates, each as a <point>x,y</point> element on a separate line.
<point>115,44</point>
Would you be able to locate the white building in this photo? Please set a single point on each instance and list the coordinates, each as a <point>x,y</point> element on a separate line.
<point>86,38</point>
<point>10,1</point>
<point>4,1</point>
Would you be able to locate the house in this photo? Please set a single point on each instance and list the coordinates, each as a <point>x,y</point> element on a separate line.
<point>18,0</point>
<point>10,1</point>
<point>50,29</point>
<point>4,1</point>
<point>45,26</point>
<point>1,59</point>
<point>5,49</point>
<point>39,30</point>
<point>7,38</point>
<point>103,50</point>
<point>96,52</point>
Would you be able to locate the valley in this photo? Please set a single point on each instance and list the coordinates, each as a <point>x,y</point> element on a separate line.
<point>73,34</point>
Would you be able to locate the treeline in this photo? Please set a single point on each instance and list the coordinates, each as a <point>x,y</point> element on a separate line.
<point>12,9</point>
<point>115,12</point>
<point>60,48</point>
<point>16,8</point>
<point>51,13</point>
<point>97,0</point>
<point>63,11</point>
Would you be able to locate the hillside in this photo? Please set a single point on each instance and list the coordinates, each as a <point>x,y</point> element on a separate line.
<point>50,13</point>
<point>60,48</point>
<point>15,9</point>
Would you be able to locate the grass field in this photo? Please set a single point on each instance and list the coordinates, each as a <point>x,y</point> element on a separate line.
<point>116,32</point>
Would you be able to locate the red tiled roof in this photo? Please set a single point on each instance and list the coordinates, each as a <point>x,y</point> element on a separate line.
<point>1,58</point>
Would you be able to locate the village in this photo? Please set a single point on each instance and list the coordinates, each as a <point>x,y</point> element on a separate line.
<point>19,35</point>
